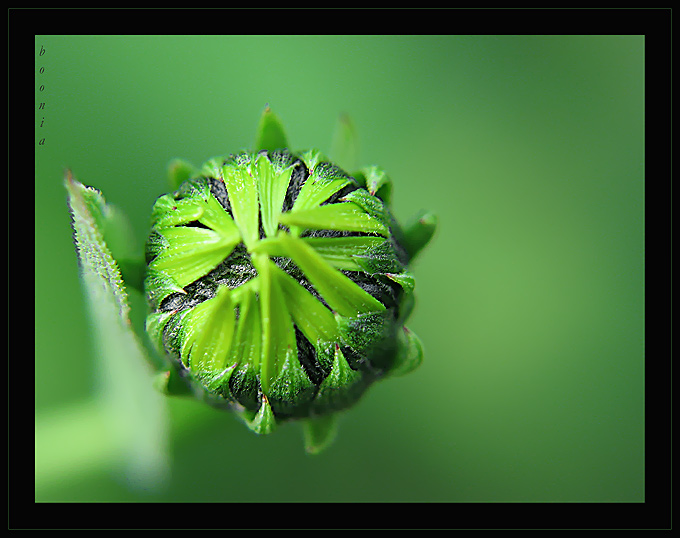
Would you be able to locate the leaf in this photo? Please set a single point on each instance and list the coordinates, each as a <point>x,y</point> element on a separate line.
<point>137,412</point>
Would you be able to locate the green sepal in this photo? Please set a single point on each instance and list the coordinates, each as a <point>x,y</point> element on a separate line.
<point>244,387</point>
<point>409,355</point>
<point>171,383</point>
<point>270,132</point>
<point>345,147</point>
<point>216,381</point>
<point>341,386</point>
<point>380,259</point>
<point>376,181</point>
<point>158,286</point>
<point>406,280</point>
<point>325,180</point>
<point>419,232</point>
<point>155,326</point>
<point>178,172</point>
<point>319,432</point>
<point>371,205</point>
<point>292,389</point>
<point>264,421</point>
<point>366,331</point>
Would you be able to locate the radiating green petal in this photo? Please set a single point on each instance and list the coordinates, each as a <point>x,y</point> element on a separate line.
<point>248,339</point>
<point>278,335</point>
<point>272,188</point>
<point>323,182</point>
<point>346,216</point>
<point>341,294</point>
<point>242,189</point>
<point>341,251</point>
<point>211,333</point>
<point>179,212</point>
<point>192,253</point>
<point>315,321</point>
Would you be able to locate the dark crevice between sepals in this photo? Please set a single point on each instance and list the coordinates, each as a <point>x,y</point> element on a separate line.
<point>289,266</point>
<point>297,180</point>
<point>385,290</point>
<point>335,198</point>
<point>244,387</point>
<point>219,190</point>
<point>194,224</point>
<point>308,359</point>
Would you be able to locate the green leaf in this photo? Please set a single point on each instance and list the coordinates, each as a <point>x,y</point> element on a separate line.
<point>270,133</point>
<point>135,410</point>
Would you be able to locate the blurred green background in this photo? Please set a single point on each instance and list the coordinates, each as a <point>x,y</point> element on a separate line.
<point>530,298</point>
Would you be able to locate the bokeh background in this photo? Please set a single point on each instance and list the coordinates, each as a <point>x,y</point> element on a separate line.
<point>530,298</point>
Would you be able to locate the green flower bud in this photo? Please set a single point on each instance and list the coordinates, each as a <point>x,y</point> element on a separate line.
<point>279,284</point>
